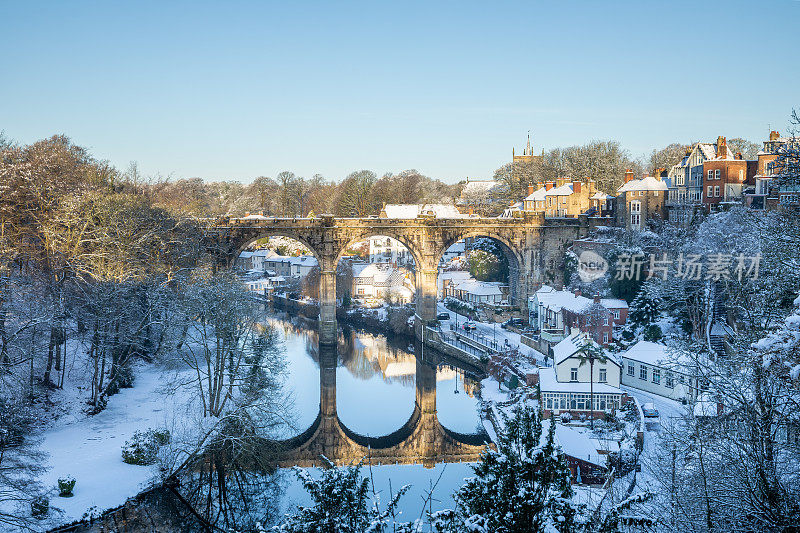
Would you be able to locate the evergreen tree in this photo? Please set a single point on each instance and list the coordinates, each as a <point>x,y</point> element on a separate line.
<point>342,504</point>
<point>523,486</point>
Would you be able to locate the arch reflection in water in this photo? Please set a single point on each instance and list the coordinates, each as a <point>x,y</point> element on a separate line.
<point>421,440</point>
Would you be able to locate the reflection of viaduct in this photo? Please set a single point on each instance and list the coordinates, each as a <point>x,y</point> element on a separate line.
<point>422,439</point>
<point>532,244</point>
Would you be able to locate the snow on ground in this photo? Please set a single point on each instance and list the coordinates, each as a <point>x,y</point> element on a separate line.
<point>88,448</point>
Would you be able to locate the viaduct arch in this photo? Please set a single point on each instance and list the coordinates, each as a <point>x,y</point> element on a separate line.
<point>533,244</point>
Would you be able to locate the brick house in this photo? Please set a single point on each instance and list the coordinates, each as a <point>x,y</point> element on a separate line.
<point>561,198</point>
<point>555,313</point>
<point>640,201</point>
<point>725,176</point>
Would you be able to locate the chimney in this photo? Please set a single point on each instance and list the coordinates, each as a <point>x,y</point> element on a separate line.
<point>577,292</point>
<point>722,147</point>
<point>739,155</point>
<point>661,172</point>
<point>628,175</point>
<point>774,135</point>
<point>471,211</point>
<point>247,214</point>
<point>530,189</point>
<point>576,187</point>
<point>548,185</point>
<point>597,298</point>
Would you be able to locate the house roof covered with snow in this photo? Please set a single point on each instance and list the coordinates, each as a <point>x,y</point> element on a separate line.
<point>572,442</point>
<point>564,190</point>
<point>648,183</point>
<point>557,300</point>
<point>549,383</point>
<point>478,288</point>
<point>655,354</point>
<point>570,345</point>
<point>613,303</point>
<point>537,195</point>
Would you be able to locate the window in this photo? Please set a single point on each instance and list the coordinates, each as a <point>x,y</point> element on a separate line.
<point>741,175</point>
<point>616,314</point>
<point>670,381</point>
<point>716,191</point>
<point>631,369</point>
<point>656,376</point>
<point>573,374</point>
<point>636,216</point>
<point>641,193</point>
<point>602,375</point>
<point>605,337</point>
<point>606,322</point>
<point>710,189</point>
<point>711,174</point>
<point>655,193</point>
<point>643,372</point>
<point>716,174</point>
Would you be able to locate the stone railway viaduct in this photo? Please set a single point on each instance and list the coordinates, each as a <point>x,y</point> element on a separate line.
<point>533,245</point>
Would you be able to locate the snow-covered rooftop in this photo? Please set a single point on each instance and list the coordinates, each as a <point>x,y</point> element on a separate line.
<point>549,383</point>
<point>537,195</point>
<point>613,303</point>
<point>479,288</point>
<point>653,353</point>
<point>648,183</point>
<point>571,344</point>
<point>564,190</point>
<point>572,442</point>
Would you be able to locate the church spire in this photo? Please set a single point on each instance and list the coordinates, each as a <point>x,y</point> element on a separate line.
<point>528,150</point>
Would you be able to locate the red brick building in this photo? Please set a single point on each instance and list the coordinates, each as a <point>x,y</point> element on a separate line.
<point>724,178</point>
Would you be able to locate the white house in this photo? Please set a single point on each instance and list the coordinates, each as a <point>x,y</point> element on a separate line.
<point>389,250</point>
<point>381,280</point>
<point>283,265</point>
<point>475,292</point>
<point>650,367</point>
<point>566,386</point>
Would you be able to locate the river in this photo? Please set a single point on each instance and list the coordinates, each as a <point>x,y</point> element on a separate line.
<point>375,393</point>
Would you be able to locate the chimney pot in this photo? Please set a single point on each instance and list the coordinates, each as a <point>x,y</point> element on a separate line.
<point>774,135</point>
<point>530,189</point>
<point>628,175</point>
<point>548,185</point>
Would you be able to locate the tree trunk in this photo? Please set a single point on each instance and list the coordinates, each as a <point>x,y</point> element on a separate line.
<point>591,393</point>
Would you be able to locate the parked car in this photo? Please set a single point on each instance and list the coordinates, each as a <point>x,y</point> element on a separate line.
<point>516,322</point>
<point>443,316</point>
<point>649,410</point>
<point>468,326</point>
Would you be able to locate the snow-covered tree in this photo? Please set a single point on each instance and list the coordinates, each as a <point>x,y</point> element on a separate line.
<point>343,502</point>
<point>522,486</point>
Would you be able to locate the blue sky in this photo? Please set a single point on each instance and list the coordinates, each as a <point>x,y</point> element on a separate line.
<point>234,90</point>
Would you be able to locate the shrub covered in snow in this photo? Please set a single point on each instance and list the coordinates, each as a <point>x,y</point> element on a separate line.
<point>65,486</point>
<point>142,448</point>
<point>40,507</point>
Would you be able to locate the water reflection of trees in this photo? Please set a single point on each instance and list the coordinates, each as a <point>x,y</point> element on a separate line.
<point>234,485</point>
